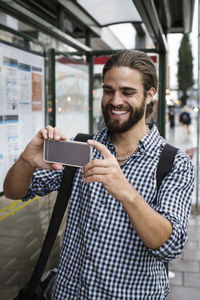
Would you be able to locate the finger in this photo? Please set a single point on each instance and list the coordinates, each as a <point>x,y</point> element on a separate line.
<point>100,147</point>
<point>63,137</point>
<point>94,164</point>
<point>57,135</point>
<point>94,178</point>
<point>57,167</point>
<point>54,133</point>
<point>49,130</point>
<point>42,134</point>
<point>95,171</point>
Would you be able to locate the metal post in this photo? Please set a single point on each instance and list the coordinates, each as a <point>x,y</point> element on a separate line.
<point>45,91</point>
<point>53,87</point>
<point>90,60</point>
<point>91,78</point>
<point>61,15</point>
<point>198,117</point>
<point>88,38</point>
<point>162,87</point>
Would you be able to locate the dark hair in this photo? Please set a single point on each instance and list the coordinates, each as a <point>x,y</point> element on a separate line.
<point>139,61</point>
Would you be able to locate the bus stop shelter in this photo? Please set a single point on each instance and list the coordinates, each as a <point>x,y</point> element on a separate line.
<point>79,24</point>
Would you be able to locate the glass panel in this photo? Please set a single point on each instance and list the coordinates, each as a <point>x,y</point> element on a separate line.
<point>22,230</point>
<point>98,121</point>
<point>72,94</point>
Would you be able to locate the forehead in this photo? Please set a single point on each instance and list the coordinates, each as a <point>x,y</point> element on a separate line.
<point>124,76</point>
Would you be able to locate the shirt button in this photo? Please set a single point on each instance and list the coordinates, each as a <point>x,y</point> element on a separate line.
<point>82,283</point>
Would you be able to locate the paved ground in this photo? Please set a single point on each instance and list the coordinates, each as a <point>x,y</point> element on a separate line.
<point>185,271</point>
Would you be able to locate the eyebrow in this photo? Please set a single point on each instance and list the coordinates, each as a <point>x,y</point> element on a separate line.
<point>127,88</point>
<point>106,86</point>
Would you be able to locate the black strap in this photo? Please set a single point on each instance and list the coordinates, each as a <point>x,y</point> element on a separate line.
<point>165,163</point>
<point>164,167</point>
<point>56,219</point>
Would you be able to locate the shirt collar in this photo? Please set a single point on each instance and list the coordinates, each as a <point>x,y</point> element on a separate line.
<point>149,143</point>
<point>152,140</point>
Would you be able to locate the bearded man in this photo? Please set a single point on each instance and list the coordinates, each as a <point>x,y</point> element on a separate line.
<point>120,229</point>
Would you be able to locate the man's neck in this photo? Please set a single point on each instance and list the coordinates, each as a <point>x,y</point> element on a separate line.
<point>130,139</point>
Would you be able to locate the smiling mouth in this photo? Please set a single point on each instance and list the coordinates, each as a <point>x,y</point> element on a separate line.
<point>119,112</point>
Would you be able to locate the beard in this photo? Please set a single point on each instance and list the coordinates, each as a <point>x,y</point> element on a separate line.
<point>116,126</point>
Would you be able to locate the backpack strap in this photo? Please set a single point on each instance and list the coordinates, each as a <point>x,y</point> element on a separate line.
<point>83,137</point>
<point>164,167</point>
<point>165,163</point>
<point>55,221</point>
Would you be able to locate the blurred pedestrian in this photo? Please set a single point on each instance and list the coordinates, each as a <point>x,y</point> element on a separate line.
<point>171,118</point>
<point>185,119</point>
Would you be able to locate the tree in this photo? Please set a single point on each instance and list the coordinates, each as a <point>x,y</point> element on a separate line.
<point>185,68</point>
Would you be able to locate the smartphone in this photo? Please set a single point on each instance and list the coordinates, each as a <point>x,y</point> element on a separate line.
<point>70,153</point>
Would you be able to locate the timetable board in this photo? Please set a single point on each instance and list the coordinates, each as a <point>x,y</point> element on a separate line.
<point>21,102</point>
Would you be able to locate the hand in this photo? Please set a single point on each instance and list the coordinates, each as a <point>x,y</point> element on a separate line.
<point>33,153</point>
<point>108,172</point>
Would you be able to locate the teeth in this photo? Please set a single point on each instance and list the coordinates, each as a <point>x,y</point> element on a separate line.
<point>119,112</point>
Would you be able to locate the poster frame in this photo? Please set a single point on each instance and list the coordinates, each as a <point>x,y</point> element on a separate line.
<point>39,53</point>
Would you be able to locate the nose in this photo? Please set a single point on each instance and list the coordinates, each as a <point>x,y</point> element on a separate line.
<point>116,99</point>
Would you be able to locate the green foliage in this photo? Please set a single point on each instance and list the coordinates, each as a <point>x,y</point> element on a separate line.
<point>185,68</point>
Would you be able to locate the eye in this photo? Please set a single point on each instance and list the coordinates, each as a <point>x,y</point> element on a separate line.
<point>107,91</point>
<point>128,93</point>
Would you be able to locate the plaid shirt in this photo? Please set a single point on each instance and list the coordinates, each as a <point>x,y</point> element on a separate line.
<point>102,256</point>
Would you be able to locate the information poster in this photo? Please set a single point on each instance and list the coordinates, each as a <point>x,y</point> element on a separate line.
<point>22,102</point>
<point>72,94</point>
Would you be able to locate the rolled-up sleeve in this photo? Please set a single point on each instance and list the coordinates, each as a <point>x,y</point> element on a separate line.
<point>44,182</point>
<point>174,203</point>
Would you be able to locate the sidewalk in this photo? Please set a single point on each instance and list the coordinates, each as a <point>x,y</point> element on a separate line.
<point>186,283</point>
<point>185,271</point>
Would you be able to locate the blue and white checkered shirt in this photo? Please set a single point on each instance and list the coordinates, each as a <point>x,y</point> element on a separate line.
<point>102,256</point>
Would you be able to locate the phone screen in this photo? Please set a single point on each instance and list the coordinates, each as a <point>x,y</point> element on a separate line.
<point>67,152</point>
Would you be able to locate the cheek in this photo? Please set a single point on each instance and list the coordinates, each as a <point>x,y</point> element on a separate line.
<point>136,101</point>
<point>139,99</point>
<point>105,100</point>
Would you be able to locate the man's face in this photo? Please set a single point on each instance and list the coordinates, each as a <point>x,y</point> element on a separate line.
<point>123,103</point>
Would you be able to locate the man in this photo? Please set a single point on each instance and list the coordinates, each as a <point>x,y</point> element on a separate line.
<point>120,230</point>
<point>185,119</point>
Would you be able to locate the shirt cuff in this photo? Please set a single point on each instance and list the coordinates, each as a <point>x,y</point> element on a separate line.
<point>30,194</point>
<point>173,247</point>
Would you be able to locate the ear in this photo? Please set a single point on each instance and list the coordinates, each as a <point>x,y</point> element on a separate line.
<point>150,94</point>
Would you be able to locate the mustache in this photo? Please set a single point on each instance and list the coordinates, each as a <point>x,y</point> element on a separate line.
<point>119,107</point>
